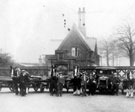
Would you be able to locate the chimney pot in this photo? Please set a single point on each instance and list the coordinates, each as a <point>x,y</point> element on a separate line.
<point>83,9</point>
<point>79,10</point>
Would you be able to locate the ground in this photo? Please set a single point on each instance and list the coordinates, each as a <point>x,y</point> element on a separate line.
<point>43,102</point>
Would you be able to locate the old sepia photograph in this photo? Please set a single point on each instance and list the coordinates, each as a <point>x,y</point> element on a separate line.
<point>67,55</point>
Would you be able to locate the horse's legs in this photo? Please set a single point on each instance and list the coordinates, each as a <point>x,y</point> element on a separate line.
<point>27,88</point>
<point>131,93</point>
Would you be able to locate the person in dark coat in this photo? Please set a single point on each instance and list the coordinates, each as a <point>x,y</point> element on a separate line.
<point>22,85</point>
<point>116,82</point>
<point>78,85</point>
<point>60,83</point>
<point>74,84</point>
<point>53,85</point>
<point>53,81</point>
<point>91,86</point>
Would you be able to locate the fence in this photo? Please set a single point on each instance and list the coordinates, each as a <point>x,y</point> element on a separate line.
<point>121,71</point>
<point>42,71</point>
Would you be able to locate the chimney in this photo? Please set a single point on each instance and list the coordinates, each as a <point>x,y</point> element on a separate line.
<point>84,9</point>
<point>81,21</point>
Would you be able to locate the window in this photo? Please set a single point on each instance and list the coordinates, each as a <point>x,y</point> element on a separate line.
<point>60,56</point>
<point>75,51</point>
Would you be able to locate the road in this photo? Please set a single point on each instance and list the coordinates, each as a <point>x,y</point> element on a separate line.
<point>43,102</point>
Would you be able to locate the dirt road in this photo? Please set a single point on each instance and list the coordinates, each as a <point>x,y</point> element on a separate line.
<point>43,102</point>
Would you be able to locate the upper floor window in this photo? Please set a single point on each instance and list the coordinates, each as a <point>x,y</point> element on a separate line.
<point>60,56</point>
<point>75,51</point>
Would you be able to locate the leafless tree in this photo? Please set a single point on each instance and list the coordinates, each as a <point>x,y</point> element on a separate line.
<point>5,60</point>
<point>126,42</point>
<point>109,51</point>
<point>105,50</point>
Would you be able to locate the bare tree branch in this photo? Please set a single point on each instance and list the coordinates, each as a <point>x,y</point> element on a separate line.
<point>126,41</point>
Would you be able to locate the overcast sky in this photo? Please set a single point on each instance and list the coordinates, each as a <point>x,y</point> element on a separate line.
<point>27,26</point>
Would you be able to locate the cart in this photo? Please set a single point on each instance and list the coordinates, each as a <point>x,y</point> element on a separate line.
<point>6,82</point>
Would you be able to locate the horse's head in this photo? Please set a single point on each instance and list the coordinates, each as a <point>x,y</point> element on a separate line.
<point>17,71</point>
<point>11,71</point>
<point>25,73</point>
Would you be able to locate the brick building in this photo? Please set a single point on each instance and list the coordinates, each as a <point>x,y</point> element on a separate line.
<point>76,48</point>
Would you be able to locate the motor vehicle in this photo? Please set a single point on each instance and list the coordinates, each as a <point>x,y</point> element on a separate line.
<point>106,80</point>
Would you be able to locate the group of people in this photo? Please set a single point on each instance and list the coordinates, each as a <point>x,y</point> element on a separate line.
<point>128,85</point>
<point>20,80</point>
<point>80,82</point>
<point>57,82</point>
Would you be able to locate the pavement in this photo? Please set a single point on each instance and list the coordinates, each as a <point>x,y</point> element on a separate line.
<point>43,102</point>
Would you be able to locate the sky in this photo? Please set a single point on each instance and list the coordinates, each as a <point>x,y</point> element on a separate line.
<point>29,28</point>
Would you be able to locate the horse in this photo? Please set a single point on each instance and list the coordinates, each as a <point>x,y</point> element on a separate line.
<point>53,85</point>
<point>21,80</point>
<point>15,73</point>
<point>24,82</point>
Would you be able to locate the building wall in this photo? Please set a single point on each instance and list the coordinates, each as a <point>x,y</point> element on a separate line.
<point>86,57</point>
<point>85,53</point>
<point>74,41</point>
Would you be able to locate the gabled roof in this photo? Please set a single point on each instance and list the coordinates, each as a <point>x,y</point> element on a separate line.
<point>91,41</point>
<point>80,36</point>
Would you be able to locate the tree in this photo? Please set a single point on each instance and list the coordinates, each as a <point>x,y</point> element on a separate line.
<point>5,60</point>
<point>109,51</point>
<point>105,50</point>
<point>115,53</point>
<point>126,42</point>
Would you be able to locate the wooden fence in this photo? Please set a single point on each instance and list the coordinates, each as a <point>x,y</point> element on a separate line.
<point>42,71</point>
<point>121,71</point>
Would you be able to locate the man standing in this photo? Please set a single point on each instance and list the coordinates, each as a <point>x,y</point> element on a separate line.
<point>78,83</point>
<point>53,83</point>
<point>61,82</point>
<point>83,84</point>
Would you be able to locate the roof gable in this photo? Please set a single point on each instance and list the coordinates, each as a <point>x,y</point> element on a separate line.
<point>91,41</point>
<point>74,33</point>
